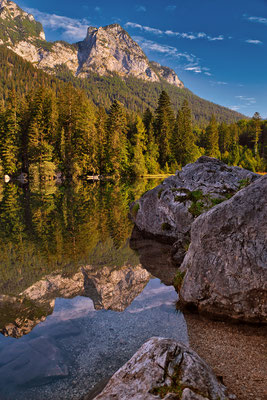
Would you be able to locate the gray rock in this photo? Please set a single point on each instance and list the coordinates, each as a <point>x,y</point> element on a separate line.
<point>226,264</point>
<point>168,211</point>
<point>164,362</point>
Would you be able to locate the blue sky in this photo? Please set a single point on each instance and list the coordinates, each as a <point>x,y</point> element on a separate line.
<point>217,48</point>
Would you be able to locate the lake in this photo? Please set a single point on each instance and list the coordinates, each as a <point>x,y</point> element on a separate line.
<point>80,290</point>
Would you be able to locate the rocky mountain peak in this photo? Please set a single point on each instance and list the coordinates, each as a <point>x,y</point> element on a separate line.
<point>105,50</point>
<point>18,25</point>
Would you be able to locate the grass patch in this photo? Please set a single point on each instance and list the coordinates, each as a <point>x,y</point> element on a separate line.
<point>243,183</point>
<point>178,279</point>
<point>197,208</point>
<point>175,387</point>
<point>160,192</point>
<point>166,226</point>
<point>135,209</point>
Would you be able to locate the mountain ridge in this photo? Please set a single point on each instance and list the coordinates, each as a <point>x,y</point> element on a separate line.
<point>104,50</point>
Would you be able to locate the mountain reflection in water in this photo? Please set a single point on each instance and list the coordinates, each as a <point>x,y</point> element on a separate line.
<point>77,297</point>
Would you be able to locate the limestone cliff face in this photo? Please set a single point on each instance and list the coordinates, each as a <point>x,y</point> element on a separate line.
<point>18,25</point>
<point>105,50</point>
<point>111,49</point>
<point>166,74</point>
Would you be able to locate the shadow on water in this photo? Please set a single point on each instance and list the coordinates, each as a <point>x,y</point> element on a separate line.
<point>79,292</point>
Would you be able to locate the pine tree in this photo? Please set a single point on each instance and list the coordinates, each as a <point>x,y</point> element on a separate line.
<point>212,138</point>
<point>184,149</point>
<point>117,152</point>
<point>10,136</point>
<point>101,120</point>
<point>163,128</point>
<point>138,163</point>
<point>257,131</point>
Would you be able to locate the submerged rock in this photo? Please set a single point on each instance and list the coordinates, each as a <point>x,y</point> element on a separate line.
<point>167,369</point>
<point>168,211</point>
<point>226,264</point>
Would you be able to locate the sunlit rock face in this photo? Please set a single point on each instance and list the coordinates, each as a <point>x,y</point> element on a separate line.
<point>105,50</point>
<point>226,264</point>
<point>158,369</point>
<point>168,211</point>
<point>110,288</point>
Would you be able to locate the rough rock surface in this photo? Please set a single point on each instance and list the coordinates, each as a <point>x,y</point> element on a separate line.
<point>165,363</point>
<point>226,264</point>
<point>167,74</point>
<point>168,211</point>
<point>105,50</point>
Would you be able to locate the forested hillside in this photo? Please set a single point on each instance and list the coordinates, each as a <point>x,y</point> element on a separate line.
<point>135,94</point>
<point>61,130</point>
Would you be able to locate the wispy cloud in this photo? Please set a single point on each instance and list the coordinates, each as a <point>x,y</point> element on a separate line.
<point>218,83</point>
<point>235,108</point>
<point>170,8</point>
<point>141,8</point>
<point>150,45</point>
<point>73,29</point>
<point>97,9</point>
<point>248,101</point>
<point>181,35</point>
<point>259,20</point>
<point>253,41</point>
<point>188,62</point>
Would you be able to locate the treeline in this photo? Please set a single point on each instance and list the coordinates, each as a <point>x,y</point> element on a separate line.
<point>46,228</point>
<point>136,95</point>
<point>50,132</point>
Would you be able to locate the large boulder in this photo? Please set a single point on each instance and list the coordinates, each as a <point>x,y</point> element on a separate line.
<point>226,264</point>
<point>166,369</point>
<point>168,211</point>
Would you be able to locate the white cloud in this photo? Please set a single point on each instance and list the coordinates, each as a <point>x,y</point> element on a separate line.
<point>182,35</point>
<point>235,108</point>
<point>97,9</point>
<point>73,29</point>
<point>149,45</point>
<point>260,20</point>
<point>253,41</point>
<point>141,8</point>
<point>170,8</point>
<point>218,83</point>
<point>247,100</point>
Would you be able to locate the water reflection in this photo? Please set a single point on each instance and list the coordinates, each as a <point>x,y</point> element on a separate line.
<point>77,296</point>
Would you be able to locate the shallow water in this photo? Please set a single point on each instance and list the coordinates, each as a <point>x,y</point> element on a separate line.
<point>77,297</point>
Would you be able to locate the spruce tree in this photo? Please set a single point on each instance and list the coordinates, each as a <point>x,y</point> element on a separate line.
<point>117,152</point>
<point>163,128</point>
<point>184,149</point>
<point>138,162</point>
<point>212,138</point>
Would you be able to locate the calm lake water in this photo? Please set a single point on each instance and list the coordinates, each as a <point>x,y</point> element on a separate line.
<point>80,291</point>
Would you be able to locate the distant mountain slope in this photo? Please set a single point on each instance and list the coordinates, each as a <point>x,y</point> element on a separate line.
<point>135,94</point>
<point>104,50</point>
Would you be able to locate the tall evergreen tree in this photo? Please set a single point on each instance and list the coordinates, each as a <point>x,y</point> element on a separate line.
<point>10,136</point>
<point>138,162</point>
<point>163,128</point>
<point>117,152</point>
<point>212,138</point>
<point>184,149</point>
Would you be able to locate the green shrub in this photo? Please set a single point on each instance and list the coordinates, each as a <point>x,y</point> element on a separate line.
<point>135,209</point>
<point>178,279</point>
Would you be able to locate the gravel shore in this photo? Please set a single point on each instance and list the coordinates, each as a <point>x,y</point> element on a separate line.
<point>236,352</point>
